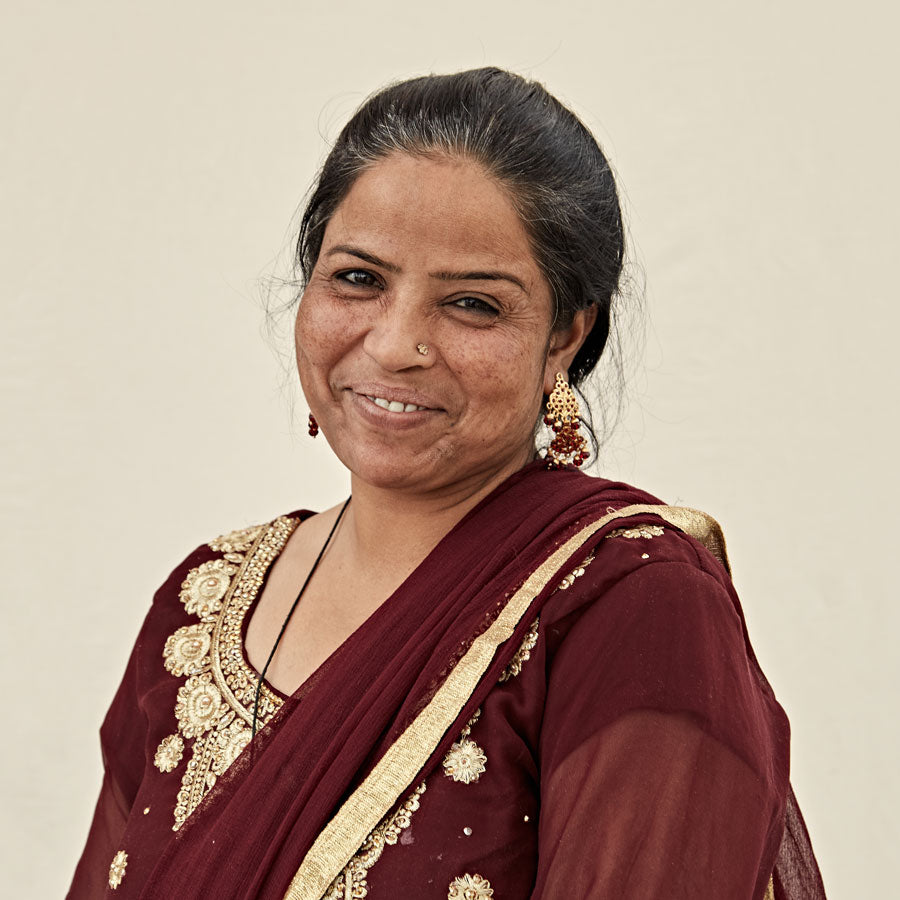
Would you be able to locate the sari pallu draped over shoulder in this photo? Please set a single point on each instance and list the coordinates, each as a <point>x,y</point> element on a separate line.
<point>380,713</point>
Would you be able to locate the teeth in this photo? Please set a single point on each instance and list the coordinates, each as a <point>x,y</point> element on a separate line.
<point>394,405</point>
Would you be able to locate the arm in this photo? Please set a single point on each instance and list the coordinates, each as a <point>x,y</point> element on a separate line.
<point>661,757</point>
<point>122,741</point>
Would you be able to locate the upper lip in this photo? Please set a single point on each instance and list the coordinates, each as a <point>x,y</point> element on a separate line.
<point>400,394</point>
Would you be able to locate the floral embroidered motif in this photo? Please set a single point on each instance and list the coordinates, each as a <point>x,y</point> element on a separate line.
<point>185,651</point>
<point>529,642</point>
<point>198,705</point>
<point>169,753</point>
<point>203,589</point>
<point>239,541</point>
<point>117,869</point>
<point>523,654</point>
<point>465,761</point>
<point>470,887</point>
<point>214,706</point>
<point>639,531</point>
<point>569,580</point>
<point>352,881</point>
<point>229,742</point>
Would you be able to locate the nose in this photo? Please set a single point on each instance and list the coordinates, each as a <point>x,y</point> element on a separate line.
<point>399,339</point>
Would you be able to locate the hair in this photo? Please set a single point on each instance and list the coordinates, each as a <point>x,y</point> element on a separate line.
<point>560,182</point>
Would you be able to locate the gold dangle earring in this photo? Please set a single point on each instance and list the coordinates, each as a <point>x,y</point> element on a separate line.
<point>313,426</point>
<point>568,446</point>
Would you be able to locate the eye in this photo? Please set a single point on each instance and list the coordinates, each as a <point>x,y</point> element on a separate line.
<point>358,278</point>
<point>476,305</point>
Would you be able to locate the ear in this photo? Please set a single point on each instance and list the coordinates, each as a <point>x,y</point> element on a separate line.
<point>565,343</point>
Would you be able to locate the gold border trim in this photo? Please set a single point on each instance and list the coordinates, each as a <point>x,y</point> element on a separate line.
<point>236,593</point>
<point>340,839</point>
<point>697,524</point>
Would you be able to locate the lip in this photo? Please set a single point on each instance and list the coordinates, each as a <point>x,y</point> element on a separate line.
<point>383,419</point>
<point>400,394</point>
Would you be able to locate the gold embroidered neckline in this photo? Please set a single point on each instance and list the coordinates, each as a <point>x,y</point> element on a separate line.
<point>214,706</point>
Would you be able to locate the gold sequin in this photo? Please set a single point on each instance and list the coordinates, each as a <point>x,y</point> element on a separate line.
<point>640,531</point>
<point>470,887</point>
<point>214,706</point>
<point>352,881</point>
<point>169,753</point>
<point>117,869</point>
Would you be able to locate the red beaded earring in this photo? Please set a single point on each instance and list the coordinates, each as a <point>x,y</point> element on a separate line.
<point>568,446</point>
<point>313,426</point>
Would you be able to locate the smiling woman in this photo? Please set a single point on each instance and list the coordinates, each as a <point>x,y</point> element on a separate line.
<point>448,263</point>
<point>486,674</point>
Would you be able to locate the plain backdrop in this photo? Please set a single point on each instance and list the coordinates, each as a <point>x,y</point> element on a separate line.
<point>153,157</point>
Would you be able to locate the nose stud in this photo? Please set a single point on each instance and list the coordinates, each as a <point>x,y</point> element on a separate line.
<point>423,349</point>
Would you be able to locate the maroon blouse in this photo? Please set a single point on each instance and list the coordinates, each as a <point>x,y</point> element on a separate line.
<point>622,744</point>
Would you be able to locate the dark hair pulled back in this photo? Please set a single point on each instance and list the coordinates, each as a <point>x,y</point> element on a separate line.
<point>558,178</point>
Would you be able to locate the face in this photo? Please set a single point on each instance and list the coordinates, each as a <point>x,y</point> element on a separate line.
<point>428,251</point>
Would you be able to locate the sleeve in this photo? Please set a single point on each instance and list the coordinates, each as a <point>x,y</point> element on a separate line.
<point>122,742</point>
<point>124,736</point>
<point>663,772</point>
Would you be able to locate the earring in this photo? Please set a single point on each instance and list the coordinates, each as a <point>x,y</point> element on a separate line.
<point>313,426</point>
<point>568,446</point>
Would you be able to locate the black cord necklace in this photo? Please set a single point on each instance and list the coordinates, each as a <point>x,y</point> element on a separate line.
<point>287,618</point>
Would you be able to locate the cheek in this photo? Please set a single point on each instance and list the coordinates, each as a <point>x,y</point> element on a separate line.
<point>507,374</point>
<point>318,332</point>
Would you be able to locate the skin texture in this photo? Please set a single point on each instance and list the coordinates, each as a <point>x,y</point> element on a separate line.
<point>359,324</point>
<point>387,279</point>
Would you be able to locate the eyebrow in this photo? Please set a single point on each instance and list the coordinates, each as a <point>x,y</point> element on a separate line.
<point>443,275</point>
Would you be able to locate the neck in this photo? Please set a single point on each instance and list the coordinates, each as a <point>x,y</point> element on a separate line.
<point>391,532</point>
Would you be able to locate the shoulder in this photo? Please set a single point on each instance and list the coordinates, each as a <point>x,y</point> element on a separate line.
<point>642,540</point>
<point>650,600</point>
<point>200,581</point>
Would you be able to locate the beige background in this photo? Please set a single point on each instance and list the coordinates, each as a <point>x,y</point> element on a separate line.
<point>152,159</point>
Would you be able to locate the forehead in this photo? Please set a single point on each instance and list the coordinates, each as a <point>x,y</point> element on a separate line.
<point>433,209</point>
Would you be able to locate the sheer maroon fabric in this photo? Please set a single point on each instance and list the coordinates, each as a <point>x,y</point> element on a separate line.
<point>639,753</point>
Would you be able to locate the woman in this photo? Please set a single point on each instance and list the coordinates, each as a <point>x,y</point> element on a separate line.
<point>487,674</point>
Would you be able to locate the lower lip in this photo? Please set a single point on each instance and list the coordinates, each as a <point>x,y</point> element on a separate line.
<point>384,418</point>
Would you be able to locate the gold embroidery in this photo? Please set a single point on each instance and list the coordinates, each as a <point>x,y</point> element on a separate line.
<point>214,706</point>
<point>529,642</point>
<point>352,881</point>
<point>639,531</point>
<point>465,761</point>
<point>203,589</point>
<point>770,890</point>
<point>523,654</point>
<point>470,724</point>
<point>239,541</point>
<point>117,869</point>
<point>569,580</point>
<point>169,753</point>
<point>186,651</point>
<point>401,762</point>
<point>198,705</point>
<point>470,887</point>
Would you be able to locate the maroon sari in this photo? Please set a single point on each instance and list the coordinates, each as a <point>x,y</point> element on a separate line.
<point>561,701</point>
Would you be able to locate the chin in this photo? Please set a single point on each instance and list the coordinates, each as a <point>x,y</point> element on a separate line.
<point>390,468</point>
